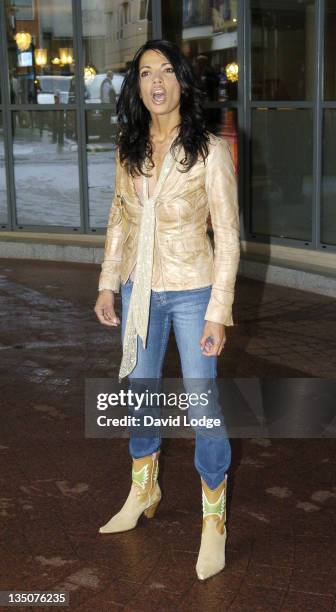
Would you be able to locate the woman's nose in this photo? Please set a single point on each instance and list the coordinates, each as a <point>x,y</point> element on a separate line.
<point>157,77</point>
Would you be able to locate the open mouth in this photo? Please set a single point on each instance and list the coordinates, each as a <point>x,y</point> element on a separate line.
<point>159,97</point>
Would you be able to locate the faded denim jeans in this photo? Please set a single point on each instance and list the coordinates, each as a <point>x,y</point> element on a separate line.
<point>185,310</point>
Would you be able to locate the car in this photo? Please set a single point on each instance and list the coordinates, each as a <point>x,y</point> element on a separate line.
<point>52,89</point>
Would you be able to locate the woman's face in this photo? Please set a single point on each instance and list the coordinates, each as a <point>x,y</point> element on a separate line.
<point>159,88</point>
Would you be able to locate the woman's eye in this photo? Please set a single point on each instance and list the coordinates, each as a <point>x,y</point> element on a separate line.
<point>144,73</point>
<point>170,69</point>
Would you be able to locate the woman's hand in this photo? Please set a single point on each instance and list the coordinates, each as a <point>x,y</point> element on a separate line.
<point>213,339</point>
<point>104,308</point>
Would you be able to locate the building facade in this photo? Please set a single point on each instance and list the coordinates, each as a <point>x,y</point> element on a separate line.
<point>268,72</point>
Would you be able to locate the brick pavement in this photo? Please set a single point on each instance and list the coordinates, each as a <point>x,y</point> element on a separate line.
<point>58,487</point>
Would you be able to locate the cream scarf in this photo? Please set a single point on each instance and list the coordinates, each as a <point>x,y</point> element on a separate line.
<point>138,312</point>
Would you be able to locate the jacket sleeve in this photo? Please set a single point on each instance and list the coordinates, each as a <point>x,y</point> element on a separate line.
<point>222,191</point>
<point>110,268</point>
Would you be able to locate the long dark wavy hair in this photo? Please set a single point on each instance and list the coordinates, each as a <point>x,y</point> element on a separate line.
<point>134,118</point>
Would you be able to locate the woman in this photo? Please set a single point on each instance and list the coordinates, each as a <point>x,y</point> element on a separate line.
<point>170,173</point>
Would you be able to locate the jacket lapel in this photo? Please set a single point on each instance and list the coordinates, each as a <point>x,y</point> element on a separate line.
<point>168,166</point>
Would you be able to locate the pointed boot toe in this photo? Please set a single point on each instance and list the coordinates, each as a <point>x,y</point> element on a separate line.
<point>144,496</point>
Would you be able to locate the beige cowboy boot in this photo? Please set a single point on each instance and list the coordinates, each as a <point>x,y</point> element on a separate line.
<point>144,496</point>
<point>211,557</point>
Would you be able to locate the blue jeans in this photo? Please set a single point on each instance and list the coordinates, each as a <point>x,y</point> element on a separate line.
<point>186,311</point>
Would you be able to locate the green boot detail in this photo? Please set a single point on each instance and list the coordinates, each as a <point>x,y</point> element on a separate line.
<point>211,557</point>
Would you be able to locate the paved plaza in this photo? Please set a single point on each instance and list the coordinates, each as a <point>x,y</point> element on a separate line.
<point>58,487</point>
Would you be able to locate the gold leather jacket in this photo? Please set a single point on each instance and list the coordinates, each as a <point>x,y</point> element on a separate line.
<point>183,253</point>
